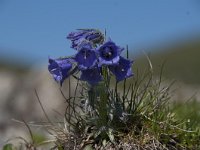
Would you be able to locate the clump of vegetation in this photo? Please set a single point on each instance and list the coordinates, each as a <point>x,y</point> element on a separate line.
<point>110,109</point>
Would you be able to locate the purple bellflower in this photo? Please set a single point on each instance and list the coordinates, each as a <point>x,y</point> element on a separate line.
<point>60,69</point>
<point>92,76</point>
<point>86,56</point>
<point>77,43</point>
<point>92,54</point>
<point>92,35</point>
<point>122,70</point>
<point>109,53</point>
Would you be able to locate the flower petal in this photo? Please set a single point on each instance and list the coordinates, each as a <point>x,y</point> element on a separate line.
<point>59,68</point>
<point>91,35</point>
<point>122,70</point>
<point>109,53</point>
<point>86,56</point>
<point>92,76</point>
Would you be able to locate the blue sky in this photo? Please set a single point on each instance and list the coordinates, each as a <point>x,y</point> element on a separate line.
<point>33,30</point>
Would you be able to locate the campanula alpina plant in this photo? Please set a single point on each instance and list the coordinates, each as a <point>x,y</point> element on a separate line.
<point>104,115</point>
<point>95,61</point>
<point>110,106</point>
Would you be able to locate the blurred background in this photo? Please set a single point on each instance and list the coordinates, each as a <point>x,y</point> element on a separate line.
<point>32,31</point>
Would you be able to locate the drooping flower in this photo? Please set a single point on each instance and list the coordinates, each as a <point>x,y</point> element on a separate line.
<point>77,43</point>
<point>60,69</point>
<point>122,70</point>
<point>92,76</point>
<point>109,53</point>
<point>86,56</point>
<point>92,35</point>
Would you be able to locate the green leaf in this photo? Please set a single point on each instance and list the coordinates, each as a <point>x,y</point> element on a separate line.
<point>110,135</point>
<point>8,147</point>
<point>60,148</point>
<point>92,97</point>
<point>102,108</point>
<point>97,133</point>
<point>38,138</point>
<point>88,147</point>
<point>104,143</point>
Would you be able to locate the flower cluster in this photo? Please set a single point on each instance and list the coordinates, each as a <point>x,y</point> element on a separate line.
<point>93,54</point>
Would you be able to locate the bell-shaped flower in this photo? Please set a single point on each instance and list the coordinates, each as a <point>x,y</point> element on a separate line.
<point>86,56</point>
<point>76,43</point>
<point>109,53</point>
<point>92,76</point>
<point>60,69</point>
<point>122,70</point>
<point>92,35</point>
